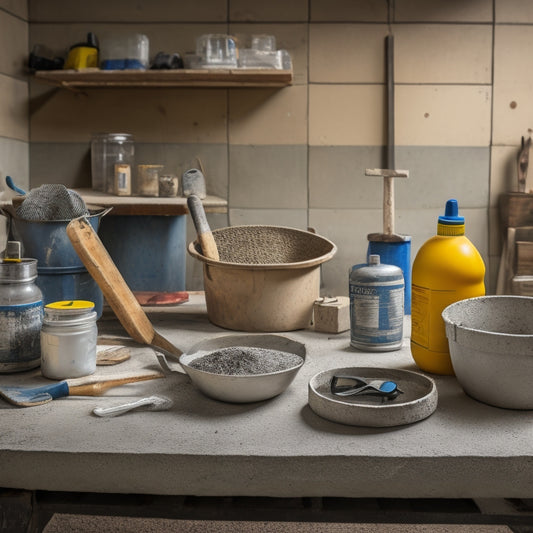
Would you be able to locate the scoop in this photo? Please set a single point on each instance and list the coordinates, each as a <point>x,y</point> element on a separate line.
<point>152,403</point>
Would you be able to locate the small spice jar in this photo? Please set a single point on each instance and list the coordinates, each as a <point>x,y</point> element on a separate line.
<point>148,180</point>
<point>68,339</point>
<point>168,186</point>
<point>21,315</point>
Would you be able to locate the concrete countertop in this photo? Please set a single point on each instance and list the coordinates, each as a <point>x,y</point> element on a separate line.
<point>278,447</point>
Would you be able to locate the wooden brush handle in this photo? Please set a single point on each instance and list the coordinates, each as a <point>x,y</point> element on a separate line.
<point>98,262</point>
<point>95,386</point>
<point>205,237</point>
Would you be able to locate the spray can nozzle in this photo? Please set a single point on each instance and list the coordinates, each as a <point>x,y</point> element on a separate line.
<point>451,214</point>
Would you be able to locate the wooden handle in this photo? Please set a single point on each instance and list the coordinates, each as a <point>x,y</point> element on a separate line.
<point>388,205</point>
<point>165,345</point>
<point>97,385</point>
<point>205,237</point>
<point>98,262</point>
<point>388,176</point>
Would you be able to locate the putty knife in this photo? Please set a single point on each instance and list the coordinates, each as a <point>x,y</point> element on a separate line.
<point>86,386</point>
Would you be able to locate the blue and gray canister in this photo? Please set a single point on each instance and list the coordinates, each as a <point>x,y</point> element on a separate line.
<point>21,315</point>
<point>376,306</point>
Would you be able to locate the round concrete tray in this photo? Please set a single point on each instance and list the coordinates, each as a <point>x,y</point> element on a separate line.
<point>418,401</point>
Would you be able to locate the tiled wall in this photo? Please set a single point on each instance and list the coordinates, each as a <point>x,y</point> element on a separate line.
<point>297,156</point>
<point>14,119</point>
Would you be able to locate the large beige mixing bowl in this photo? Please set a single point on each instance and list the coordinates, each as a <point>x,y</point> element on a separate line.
<point>267,278</point>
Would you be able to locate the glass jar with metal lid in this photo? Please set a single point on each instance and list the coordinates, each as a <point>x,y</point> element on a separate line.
<point>21,315</point>
<point>112,159</point>
<point>68,339</point>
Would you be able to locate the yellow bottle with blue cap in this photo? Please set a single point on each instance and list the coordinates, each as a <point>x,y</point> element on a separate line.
<point>446,269</point>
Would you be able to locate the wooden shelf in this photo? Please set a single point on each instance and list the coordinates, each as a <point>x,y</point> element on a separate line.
<point>143,205</point>
<point>89,79</point>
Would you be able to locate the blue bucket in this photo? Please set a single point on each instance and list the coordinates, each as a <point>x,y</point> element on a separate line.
<point>149,251</point>
<point>69,283</point>
<point>47,240</point>
<point>61,275</point>
<point>397,254</point>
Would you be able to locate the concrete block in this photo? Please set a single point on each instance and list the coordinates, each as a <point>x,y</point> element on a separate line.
<point>332,315</point>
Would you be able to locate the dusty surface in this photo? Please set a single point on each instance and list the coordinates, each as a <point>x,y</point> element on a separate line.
<point>204,447</point>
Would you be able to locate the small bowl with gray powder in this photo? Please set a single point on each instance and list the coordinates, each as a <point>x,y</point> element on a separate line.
<point>244,368</point>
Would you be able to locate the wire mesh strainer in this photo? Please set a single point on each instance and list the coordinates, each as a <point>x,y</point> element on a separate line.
<point>52,202</point>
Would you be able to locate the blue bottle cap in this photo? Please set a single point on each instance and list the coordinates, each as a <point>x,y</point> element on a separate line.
<point>451,214</point>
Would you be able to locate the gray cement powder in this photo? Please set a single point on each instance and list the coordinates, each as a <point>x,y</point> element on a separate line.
<point>246,360</point>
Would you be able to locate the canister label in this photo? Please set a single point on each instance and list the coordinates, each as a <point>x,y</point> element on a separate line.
<point>377,314</point>
<point>427,326</point>
<point>20,326</point>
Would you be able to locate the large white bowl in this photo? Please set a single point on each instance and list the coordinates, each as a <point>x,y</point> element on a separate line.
<point>491,348</point>
<point>242,388</point>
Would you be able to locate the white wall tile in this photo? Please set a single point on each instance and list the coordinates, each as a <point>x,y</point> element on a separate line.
<point>18,8</point>
<point>151,115</point>
<point>278,10</point>
<point>513,84</point>
<point>268,177</point>
<point>292,218</point>
<point>14,109</point>
<point>125,11</point>
<point>504,171</point>
<point>268,116</point>
<point>347,53</point>
<point>443,115</point>
<point>14,45</point>
<point>346,115</point>
<point>443,11</point>
<point>14,162</point>
<point>442,53</point>
<point>349,11</point>
<point>520,11</point>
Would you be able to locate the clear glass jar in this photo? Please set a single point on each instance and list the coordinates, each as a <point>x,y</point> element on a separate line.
<point>21,316</point>
<point>108,152</point>
<point>68,339</point>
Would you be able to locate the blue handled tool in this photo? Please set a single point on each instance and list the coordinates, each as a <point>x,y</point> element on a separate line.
<point>11,184</point>
<point>354,386</point>
<point>86,386</point>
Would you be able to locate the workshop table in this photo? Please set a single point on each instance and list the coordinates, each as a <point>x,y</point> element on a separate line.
<point>240,458</point>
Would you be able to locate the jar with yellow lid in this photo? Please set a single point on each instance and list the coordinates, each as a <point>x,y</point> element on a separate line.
<point>68,339</point>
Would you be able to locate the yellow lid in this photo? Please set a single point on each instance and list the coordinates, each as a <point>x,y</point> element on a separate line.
<point>71,304</point>
<point>450,230</point>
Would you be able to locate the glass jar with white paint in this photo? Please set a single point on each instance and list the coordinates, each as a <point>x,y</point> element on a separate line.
<point>68,339</point>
